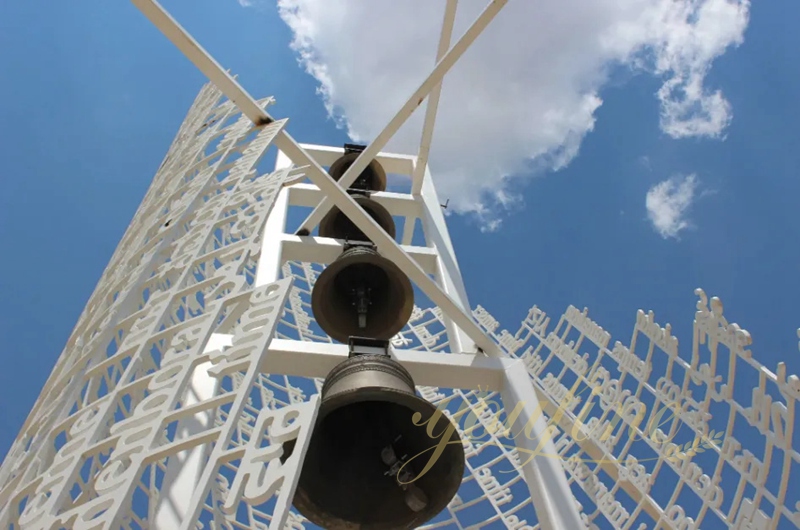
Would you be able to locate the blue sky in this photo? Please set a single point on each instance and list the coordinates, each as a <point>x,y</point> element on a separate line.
<point>92,96</point>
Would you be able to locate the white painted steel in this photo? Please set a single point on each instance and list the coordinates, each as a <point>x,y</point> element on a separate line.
<point>433,100</point>
<point>272,256</point>
<point>203,60</point>
<point>452,370</point>
<point>447,272</point>
<point>555,504</point>
<point>393,163</point>
<point>615,479</point>
<point>175,353</point>
<point>421,163</point>
<point>340,198</point>
<point>387,246</point>
<point>185,467</point>
<point>398,204</point>
<point>325,250</point>
<point>414,101</point>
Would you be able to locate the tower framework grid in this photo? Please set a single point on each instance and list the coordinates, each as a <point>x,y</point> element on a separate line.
<point>197,356</point>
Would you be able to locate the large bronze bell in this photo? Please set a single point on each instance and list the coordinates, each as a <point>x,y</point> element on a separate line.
<point>366,457</point>
<point>362,294</point>
<point>373,178</point>
<point>337,225</point>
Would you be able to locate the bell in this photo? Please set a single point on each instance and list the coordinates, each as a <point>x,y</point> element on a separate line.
<point>365,460</point>
<point>373,178</point>
<point>362,294</point>
<point>337,225</point>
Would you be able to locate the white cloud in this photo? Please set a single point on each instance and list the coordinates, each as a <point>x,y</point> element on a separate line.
<point>521,100</point>
<point>668,203</point>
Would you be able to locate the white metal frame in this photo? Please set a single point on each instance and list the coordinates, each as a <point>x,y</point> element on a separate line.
<point>545,476</point>
<point>250,108</point>
<point>550,492</point>
<point>203,400</point>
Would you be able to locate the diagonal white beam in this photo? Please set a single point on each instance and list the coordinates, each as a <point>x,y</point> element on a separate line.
<point>434,78</point>
<point>203,60</point>
<point>386,245</point>
<point>430,118</point>
<point>398,204</point>
<point>324,250</point>
<point>433,100</point>
<point>557,506</point>
<point>326,155</point>
<point>544,473</point>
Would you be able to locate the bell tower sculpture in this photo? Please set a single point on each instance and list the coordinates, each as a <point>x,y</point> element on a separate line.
<point>243,363</point>
<point>369,402</point>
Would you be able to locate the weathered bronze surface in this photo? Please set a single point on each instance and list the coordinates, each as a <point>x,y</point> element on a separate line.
<point>365,425</point>
<point>373,178</point>
<point>362,294</point>
<point>337,225</point>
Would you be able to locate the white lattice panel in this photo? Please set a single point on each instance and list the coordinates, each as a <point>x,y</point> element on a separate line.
<point>112,416</point>
<point>162,373</point>
<point>649,438</point>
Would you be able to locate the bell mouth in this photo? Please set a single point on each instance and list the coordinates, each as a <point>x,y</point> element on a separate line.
<point>344,474</point>
<point>373,177</point>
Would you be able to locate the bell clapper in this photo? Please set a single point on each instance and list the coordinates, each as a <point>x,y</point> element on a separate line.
<point>362,303</point>
<point>360,469</point>
<point>361,182</point>
<point>388,457</point>
<point>368,400</point>
<point>414,498</point>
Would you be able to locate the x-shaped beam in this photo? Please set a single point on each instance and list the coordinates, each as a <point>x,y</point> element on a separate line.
<point>336,192</point>
<point>433,99</point>
<point>431,84</point>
